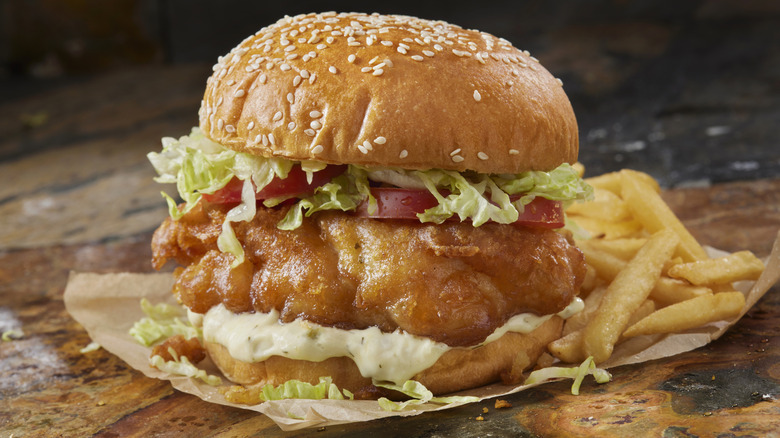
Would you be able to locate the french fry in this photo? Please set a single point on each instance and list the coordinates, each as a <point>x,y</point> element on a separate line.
<point>642,312</point>
<point>626,293</point>
<point>568,348</point>
<point>623,248</point>
<point>579,168</point>
<point>578,321</point>
<point>590,282</point>
<point>605,206</point>
<point>669,291</point>
<point>613,180</point>
<point>606,265</point>
<point>607,229</point>
<point>689,314</point>
<point>739,266</point>
<point>651,211</point>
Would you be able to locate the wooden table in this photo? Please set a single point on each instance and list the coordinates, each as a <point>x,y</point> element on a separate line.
<point>76,194</point>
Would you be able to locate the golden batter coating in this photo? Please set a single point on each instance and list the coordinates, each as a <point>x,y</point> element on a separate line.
<point>453,282</point>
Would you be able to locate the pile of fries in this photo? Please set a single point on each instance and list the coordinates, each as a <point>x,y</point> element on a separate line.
<point>646,273</point>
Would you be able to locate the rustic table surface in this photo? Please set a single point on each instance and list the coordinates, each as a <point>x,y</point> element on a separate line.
<point>76,193</point>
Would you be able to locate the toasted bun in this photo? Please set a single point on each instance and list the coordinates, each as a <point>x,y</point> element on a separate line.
<point>398,91</point>
<point>457,369</point>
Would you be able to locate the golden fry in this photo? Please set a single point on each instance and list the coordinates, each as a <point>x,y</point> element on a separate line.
<point>739,266</point>
<point>606,265</point>
<point>579,320</point>
<point>568,348</point>
<point>689,314</point>
<point>607,229</point>
<point>613,180</point>
<point>670,291</point>
<point>605,206</point>
<point>626,293</point>
<point>624,248</point>
<point>651,211</point>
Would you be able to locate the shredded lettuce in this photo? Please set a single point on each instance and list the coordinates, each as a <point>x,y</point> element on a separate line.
<point>10,335</point>
<point>588,367</point>
<point>295,389</point>
<point>200,166</point>
<point>161,321</point>
<point>92,346</point>
<point>182,366</point>
<point>418,394</point>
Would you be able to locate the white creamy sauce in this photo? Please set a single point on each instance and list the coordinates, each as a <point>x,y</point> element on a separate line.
<point>394,357</point>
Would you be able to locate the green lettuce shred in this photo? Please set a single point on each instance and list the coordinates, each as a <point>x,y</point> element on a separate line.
<point>13,334</point>
<point>295,389</point>
<point>161,321</point>
<point>418,394</point>
<point>182,366</point>
<point>588,367</point>
<point>198,165</point>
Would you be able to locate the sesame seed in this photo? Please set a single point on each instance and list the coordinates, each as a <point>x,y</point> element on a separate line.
<point>258,138</point>
<point>378,72</point>
<point>428,53</point>
<point>230,128</point>
<point>312,78</point>
<point>405,46</point>
<point>351,58</point>
<point>317,149</point>
<point>315,114</point>
<point>271,139</point>
<point>297,81</point>
<point>250,125</point>
<point>404,153</point>
<point>333,69</point>
<point>263,78</point>
<point>388,62</point>
<point>367,144</point>
<point>231,82</point>
<point>329,40</point>
<point>514,152</point>
<point>291,56</point>
<point>309,132</point>
<point>366,69</point>
<point>380,140</point>
<point>301,40</point>
<point>353,43</point>
<point>457,158</point>
<point>362,149</point>
<point>378,66</point>
<point>239,93</point>
<point>285,67</point>
<point>220,123</point>
<point>315,125</point>
<point>477,96</point>
<point>373,60</point>
<point>479,58</point>
<point>560,82</point>
<point>401,50</point>
<point>534,59</point>
<point>305,74</point>
<point>291,126</point>
<point>438,47</point>
<point>455,152</point>
<point>482,156</point>
<point>265,140</point>
<point>284,41</point>
<point>289,48</point>
<point>291,98</point>
<point>322,46</point>
<point>277,116</point>
<point>386,43</point>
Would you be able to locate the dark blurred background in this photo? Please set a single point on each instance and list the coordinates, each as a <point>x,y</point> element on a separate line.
<point>686,90</point>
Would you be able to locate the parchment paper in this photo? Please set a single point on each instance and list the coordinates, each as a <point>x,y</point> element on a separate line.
<point>107,305</point>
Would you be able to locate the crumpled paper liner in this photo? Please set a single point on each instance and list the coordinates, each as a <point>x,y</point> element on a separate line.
<point>107,305</point>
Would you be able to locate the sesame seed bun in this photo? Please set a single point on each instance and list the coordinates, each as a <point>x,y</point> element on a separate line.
<point>458,369</point>
<point>397,91</point>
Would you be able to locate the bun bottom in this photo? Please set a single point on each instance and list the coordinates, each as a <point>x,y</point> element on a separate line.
<point>456,370</point>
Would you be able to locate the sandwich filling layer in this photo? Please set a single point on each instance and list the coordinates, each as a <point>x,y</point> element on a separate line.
<point>395,357</point>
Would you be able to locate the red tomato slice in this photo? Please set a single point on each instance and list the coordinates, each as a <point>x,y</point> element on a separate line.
<point>407,203</point>
<point>294,185</point>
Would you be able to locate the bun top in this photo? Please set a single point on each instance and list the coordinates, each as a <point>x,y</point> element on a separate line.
<point>388,90</point>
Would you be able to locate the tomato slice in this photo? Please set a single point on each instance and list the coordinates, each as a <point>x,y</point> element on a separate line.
<point>294,185</point>
<point>395,203</point>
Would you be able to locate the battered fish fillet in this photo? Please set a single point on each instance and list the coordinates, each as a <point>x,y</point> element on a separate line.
<point>452,282</point>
